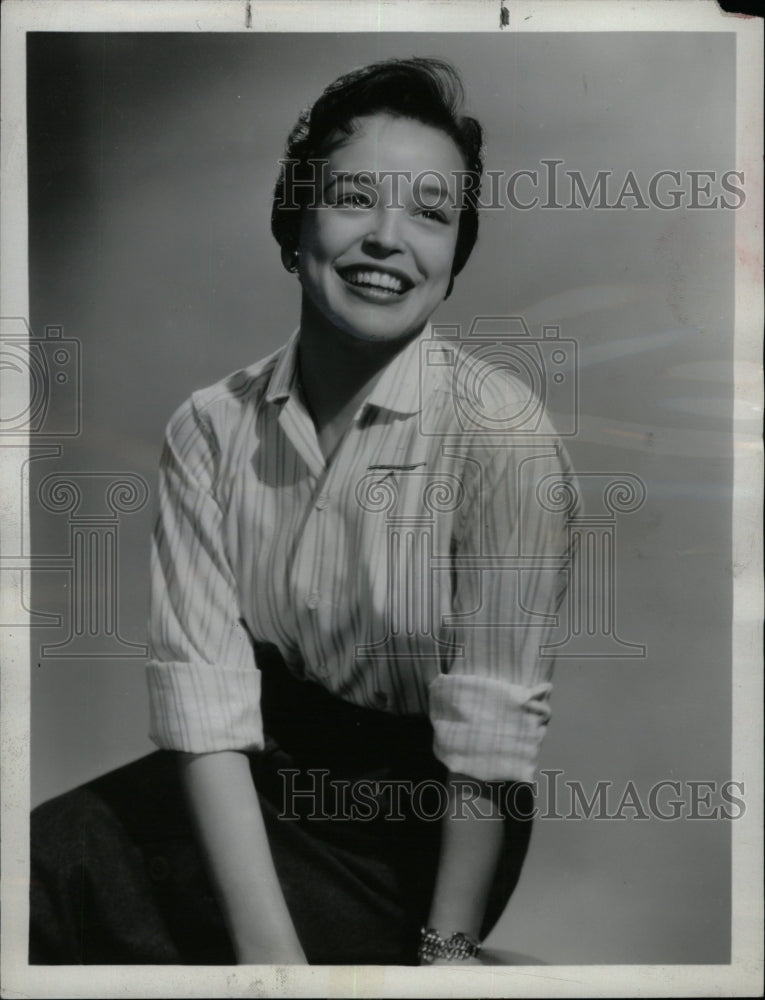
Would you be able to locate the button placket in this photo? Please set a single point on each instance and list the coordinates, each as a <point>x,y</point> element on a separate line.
<point>304,580</point>
<point>308,577</point>
<point>319,504</point>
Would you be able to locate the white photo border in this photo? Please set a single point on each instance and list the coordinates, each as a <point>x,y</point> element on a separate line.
<point>744,974</point>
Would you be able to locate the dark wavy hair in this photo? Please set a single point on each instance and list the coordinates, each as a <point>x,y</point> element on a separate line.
<point>426,90</point>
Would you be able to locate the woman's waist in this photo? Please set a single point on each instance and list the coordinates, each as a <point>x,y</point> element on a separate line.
<point>316,727</point>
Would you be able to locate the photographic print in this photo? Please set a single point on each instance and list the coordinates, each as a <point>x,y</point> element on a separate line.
<point>381,561</point>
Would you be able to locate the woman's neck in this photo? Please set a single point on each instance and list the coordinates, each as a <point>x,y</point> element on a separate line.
<point>337,371</point>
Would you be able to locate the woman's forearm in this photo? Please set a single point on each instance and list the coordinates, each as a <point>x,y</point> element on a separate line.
<point>230,825</point>
<point>470,848</point>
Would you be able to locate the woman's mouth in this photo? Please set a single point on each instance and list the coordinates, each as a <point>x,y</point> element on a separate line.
<point>372,283</point>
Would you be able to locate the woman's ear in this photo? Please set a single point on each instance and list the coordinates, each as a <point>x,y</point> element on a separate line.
<point>290,259</point>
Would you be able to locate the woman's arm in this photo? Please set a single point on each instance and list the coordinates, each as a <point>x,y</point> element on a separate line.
<point>205,689</point>
<point>470,848</point>
<point>230,825</point>
<point>491,707</point>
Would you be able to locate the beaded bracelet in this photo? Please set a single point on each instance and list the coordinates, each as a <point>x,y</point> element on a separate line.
<point>458,947</point>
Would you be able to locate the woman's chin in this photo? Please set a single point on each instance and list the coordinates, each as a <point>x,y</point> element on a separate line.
<point>380,336</point>
<point>378,332</point>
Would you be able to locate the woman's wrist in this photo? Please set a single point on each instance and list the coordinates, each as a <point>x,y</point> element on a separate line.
<point>262,930</point>
<point>454,947</point>
<point>264,953</point>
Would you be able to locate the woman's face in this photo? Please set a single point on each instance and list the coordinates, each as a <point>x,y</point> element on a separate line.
<point>376,255</point>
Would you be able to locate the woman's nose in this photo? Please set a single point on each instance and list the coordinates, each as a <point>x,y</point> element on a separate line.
<point>384,232</point>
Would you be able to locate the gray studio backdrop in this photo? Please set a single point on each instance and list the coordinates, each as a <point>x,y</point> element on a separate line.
<point>152,159</point>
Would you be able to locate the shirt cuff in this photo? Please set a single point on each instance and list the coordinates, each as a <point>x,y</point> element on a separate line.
<point>488,728</point>
<point>202,708</point>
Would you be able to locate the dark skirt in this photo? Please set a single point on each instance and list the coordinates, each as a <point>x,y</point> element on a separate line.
<point>352,801</point>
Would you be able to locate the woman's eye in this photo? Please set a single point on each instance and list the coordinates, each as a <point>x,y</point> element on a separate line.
<point>354,199</point>
<point>432,213</point>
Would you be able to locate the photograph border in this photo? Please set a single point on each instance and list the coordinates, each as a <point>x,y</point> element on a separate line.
<point>743,976</point>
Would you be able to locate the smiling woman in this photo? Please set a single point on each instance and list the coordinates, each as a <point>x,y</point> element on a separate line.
<point>363,249</point>
<point>372,269</point>
<point>352,729</point>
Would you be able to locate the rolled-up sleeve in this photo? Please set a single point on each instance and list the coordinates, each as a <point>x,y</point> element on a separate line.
<point>204,686</point>
<point>491,705</point>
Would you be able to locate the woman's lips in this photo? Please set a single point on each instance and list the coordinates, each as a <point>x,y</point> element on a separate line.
<point>375,283</point>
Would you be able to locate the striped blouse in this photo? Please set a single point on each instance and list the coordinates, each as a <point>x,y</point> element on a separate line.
<point>419,571</point>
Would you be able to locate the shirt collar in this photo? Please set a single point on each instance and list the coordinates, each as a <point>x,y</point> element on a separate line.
<point>398,389</point>
<point>284,376</point>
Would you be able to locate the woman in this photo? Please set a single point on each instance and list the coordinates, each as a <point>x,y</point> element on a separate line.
<point>334,660</point>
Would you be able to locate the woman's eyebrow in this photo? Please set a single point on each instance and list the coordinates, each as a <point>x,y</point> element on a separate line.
<point>368,176</point>
<point>439,190</point>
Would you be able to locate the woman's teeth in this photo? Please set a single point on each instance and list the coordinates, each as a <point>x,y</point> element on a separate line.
<point>375,279</point>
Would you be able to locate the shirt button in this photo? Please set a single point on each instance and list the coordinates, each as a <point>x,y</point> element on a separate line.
<point>322,500</point>
<point>313,599</point>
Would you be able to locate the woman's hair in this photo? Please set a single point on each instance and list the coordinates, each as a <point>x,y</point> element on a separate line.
<point>426,90</point>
